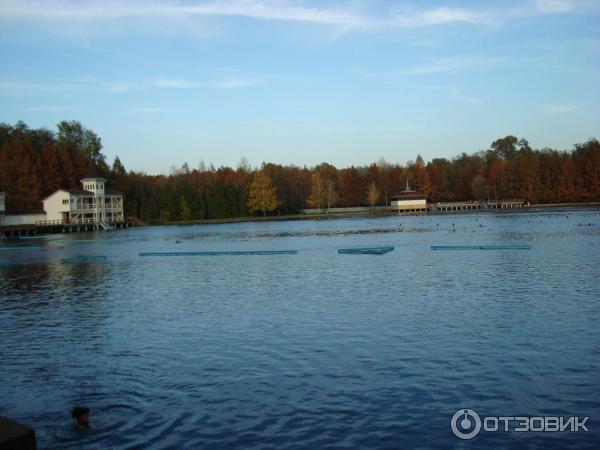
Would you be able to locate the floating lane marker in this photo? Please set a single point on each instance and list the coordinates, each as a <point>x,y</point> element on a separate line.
<point>367,250</point>
<point>481,247</point>
<point>90,241</point>
<point>80,259</point>
<point>19,247</point>
<point>250,252</point>
<point>42,237</point>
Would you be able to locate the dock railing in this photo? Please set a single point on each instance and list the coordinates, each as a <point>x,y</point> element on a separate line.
<point>45,223</point>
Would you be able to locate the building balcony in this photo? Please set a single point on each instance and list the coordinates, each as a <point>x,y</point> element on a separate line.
<point>92,208</point>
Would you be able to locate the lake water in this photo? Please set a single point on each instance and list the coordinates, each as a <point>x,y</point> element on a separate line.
<point>306,351</point>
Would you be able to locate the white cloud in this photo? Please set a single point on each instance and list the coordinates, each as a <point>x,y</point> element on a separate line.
<point>350,15</point>
<point>72,85</point>
<point>44,108</point>
<point>473,100</point>
<point>439,16</point>
<point>94,10</point>
<point>146,109</point>
<point>218,79</point>
<point>433,66</point>
<point>559,109</point>
<point>214,81</point>
<point>173,83</point>
<point>553,6</point>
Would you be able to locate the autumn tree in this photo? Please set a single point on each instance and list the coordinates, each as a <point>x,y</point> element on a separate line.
<point>384,174</point>
<point>567,179</point>
<point>263,195</point>
<point>586,158</point>
<point>352,186</point>
<point>373,195</point>
<point>36,162</point>
<point>479,188</point>
<point>54,178</point>
<point>423,183</point>
<point>185,211</point>
<point>318,191</point>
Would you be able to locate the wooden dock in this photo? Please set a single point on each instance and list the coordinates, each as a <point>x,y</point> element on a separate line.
<point>471,206</point>
<point>53,227</point>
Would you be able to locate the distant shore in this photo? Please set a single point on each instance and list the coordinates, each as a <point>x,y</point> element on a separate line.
<point>377,213</point>
<point>563,205</point>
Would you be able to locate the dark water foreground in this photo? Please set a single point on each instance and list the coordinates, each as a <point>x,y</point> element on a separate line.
<point>309,350</point>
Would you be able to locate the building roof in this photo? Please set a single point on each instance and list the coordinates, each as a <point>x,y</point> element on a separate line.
<point>77,191</point>
<point>69,191</point>
<point>107,191</point>
<point>412,195</point>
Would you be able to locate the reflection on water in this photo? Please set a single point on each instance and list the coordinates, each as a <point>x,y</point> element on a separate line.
<point>310,350</point>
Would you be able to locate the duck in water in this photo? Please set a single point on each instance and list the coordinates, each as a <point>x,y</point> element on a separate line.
<point>81,415</point>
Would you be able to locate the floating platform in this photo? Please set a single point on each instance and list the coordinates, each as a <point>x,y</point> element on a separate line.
<point>366,250</point>
<point>249,252</point>
<point>80,259</point>
<point>481,247</point>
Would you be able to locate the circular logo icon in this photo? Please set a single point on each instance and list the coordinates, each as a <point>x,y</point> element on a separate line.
<point>465,423</point>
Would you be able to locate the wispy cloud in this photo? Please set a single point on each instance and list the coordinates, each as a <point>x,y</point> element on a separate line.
<point>44,108</point>
<point>174,83</point>
<point>349,15</point>
<point>431,66</point>
<point>149,109</point>
<point>213,82</point>
<point>559,109</point>
<point>553,6</point>
<point>439,16</point>
<point>217,79</point>
<point>74,85</point>
<point>266,10</point>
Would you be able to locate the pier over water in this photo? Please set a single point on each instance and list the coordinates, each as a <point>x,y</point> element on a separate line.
<point>474,205</point>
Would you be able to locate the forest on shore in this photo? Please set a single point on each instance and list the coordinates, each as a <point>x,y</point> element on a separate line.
<point>36,162</point>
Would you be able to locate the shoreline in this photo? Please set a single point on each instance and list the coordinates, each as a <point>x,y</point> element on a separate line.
<point>363,214</point>
<point>358,214</point>
<point>563,205</point>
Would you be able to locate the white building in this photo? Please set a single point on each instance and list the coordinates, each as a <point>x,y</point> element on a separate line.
<point>94,204</point>
<point>409,201</point>
<point>16,219</point>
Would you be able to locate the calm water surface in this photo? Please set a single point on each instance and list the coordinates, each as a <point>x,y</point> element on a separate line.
<point>307,351</point>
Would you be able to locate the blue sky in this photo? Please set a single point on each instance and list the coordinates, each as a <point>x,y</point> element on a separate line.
<point>303,81</point>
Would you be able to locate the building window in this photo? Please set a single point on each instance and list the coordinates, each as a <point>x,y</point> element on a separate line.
<point>65,201</point>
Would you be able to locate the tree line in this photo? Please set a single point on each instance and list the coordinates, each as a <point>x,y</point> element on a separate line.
<point>36,162</point>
